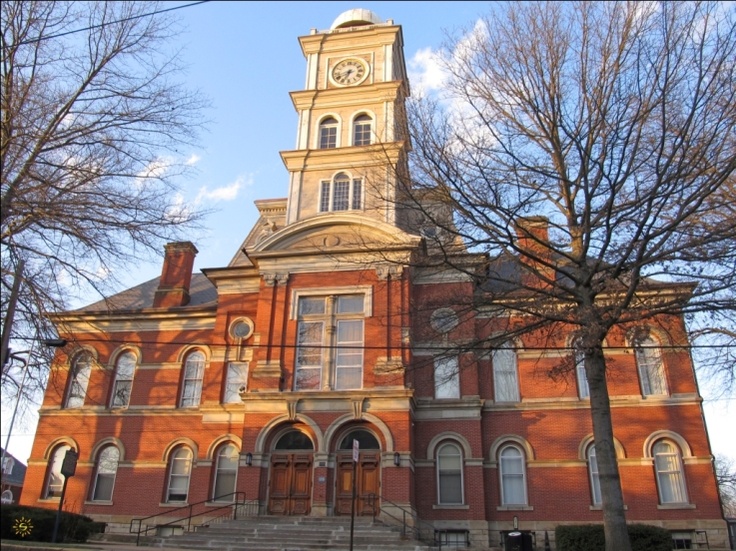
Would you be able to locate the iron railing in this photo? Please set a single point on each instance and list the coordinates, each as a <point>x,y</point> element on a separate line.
<point>411,525</point>
<point>215,509</point>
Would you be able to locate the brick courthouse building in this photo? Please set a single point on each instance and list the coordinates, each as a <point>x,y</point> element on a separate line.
<point>257,376</point>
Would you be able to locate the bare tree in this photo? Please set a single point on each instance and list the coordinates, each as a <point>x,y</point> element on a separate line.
<point>94,126</point>
<point>614,122</point>
<point>726,477</point>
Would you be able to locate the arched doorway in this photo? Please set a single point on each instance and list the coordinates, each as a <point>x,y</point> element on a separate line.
<point>367,474</point>
<point>290,487</point>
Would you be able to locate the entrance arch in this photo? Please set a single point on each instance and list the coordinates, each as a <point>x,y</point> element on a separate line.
<point>290,485</point>
<point>367,474</point>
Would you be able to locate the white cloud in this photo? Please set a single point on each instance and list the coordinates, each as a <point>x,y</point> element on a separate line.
<point>193,160</point>
<point>154,170</point>
<point>426,72</point>
<point>225,193</point>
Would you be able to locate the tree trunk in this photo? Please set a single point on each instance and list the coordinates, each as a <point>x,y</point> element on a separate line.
<point>614,518</point>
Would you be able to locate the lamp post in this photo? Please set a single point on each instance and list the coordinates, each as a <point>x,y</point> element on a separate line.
<point>55,343</point>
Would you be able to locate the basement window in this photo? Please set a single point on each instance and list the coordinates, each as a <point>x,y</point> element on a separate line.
<point>452,538</point>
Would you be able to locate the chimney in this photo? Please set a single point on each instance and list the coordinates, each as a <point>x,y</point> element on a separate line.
<point>533,243</point>
<point>176,275</point>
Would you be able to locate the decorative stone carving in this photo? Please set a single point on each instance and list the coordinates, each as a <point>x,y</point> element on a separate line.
<point>274,278</point>
<point>385,270</point>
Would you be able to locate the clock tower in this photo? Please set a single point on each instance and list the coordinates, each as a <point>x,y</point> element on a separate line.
<point>352,137</point>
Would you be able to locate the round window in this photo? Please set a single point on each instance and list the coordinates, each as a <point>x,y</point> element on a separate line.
<point>241,328</point>
<point>444,320</point>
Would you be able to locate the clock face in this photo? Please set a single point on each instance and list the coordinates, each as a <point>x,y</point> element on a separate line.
<point>349,71</point>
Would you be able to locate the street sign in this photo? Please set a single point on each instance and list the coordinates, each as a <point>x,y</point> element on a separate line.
<point>356,450</point>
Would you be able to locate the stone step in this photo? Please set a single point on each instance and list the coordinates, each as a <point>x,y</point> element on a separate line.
<point>270,533</point>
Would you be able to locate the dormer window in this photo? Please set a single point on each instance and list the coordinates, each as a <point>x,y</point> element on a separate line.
<point>328,133</point>
<point>341,193</point>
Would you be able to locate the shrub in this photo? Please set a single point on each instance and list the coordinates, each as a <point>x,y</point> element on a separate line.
<point>589,537</point>
<point>72,527</point>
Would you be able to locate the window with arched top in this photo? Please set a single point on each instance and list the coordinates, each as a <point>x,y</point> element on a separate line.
<point>650,366</point>
<point>54,478</point>
<point>328,133</point>
<point>226,473</point>
<point>362,130</point>
<point>449,474</point>
<point>670,477</point>
<point>505,373</point>
<point>123,385</point>
<point>595,482</point>
<point>512,467</point>
<point>180,469</point>
<point>341,193</point>
<point>191,391</point>
<point>581,375</point>
<point>366,441</point>
<point>294,440</point>
<point>78,380</point>
<point>7,497</point>
<point>105,472</point>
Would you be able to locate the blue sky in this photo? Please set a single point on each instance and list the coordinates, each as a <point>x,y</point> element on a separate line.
<point>245,57</point>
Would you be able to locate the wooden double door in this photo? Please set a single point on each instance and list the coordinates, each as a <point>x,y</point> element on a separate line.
<point>290,487</point>
<point>367,482</point>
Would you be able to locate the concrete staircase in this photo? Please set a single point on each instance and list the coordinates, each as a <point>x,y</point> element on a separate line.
<point>275,533</point>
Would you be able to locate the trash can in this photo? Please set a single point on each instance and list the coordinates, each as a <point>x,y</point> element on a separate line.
<point>518,541</point>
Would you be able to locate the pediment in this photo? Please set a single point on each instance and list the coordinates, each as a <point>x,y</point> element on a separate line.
<point>333,233</point>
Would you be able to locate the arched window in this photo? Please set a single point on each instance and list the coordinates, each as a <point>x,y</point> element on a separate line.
<point>505,373</point>
<point>651,368</point>
<point>362,130</point>
<point>341,193</point>
<point>513,476</point>
<point>106,470</point>
<point>54,478</point>
<point>192,386</point>
<point>595,482</point>
<point>7,497</point>
<point>226,473</point>
<point>582,377</point>
<point>449,474</point>
<point>180,468</point>
<point>294,440</point>
<point>124,370</point>
<point>328,133</point>
<point>670,478</point>
<point>366,441</point>
<point>79,379</point>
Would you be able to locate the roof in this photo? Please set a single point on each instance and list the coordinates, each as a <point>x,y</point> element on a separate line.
<point>18,474</point>
<point>201,293</point>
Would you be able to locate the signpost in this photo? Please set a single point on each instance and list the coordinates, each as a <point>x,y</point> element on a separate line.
<point>356,456</point>
<point>68,468</point>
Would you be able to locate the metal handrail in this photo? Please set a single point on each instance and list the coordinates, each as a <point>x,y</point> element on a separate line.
<point>414,528</point>
<point>234,505</point>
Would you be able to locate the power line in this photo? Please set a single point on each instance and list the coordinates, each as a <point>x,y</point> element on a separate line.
<point>101,25</point>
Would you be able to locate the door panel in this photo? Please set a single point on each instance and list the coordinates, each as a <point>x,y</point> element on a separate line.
<point>368,482</point>
<point>290,486</point>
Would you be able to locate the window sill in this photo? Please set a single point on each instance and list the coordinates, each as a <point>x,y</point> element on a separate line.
<point>174,504</point>
<point>668,506</point>
<point>49,500</point>
<point>105,503</point>
<point>448,506</point>
<point>514,508</point>
<point>600,507</point>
